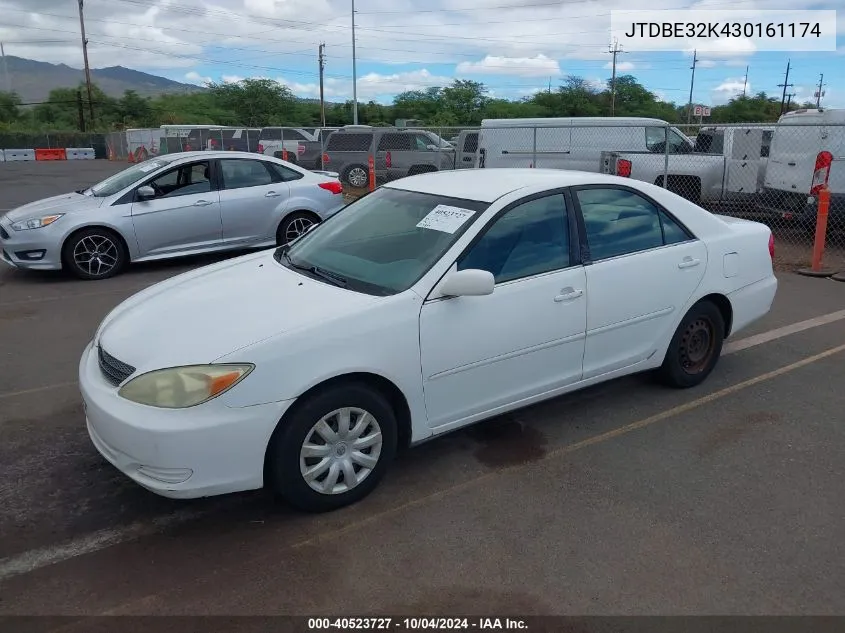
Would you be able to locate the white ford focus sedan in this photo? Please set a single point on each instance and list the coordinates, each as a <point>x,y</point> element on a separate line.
<point>434,302</point>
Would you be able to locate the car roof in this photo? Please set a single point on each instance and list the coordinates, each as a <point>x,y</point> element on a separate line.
<point>488,185</point>
<point>210,154</point>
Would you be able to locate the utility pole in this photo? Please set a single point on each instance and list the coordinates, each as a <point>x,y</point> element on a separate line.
<point>745,83</point>
<point>8,79</point>
<point>80,111</point>
<point>615,50</point>
<point>322,100</point>
<point>691,84</point>
<point>820,93</point>
<point>789,100</point>
<point>354,72</point>
<point>85,58</point>
<point>785,85</point>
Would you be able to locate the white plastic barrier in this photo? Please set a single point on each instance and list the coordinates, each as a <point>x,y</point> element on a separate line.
<point>13,155</point>
<point>79,153</point>
<point>2,156</point>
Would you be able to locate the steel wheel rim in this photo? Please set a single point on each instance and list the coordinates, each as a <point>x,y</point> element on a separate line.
<point>96,255</point>
<point>340,451</point>
<point>297,227</point>
<point>357,177</point>
<point>698,344</point>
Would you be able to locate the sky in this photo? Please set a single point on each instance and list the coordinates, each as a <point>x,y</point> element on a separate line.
<point>514,47</point>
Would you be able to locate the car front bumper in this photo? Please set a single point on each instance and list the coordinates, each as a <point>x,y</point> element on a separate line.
<point>201,451</point>
<point>34,249</point>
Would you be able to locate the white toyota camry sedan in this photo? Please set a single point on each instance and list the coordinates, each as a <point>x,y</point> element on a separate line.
<point>434,302</point>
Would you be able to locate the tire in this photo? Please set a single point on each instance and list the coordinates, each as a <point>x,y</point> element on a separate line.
<point>105,247</point>
<point>293,225</point>
<point>285,465</point>
<point>686,364</point>
<point>356,176</point>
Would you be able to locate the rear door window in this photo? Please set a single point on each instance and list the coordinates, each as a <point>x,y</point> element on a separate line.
<point>341,142</point>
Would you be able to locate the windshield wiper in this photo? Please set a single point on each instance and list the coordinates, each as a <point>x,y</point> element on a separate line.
<point>332,278</point>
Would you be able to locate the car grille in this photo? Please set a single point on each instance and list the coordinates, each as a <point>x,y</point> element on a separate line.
<point>3,233</point>
<point>114,370</point>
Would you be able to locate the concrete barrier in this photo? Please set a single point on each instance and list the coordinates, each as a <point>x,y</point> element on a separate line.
<point>2,156</point>
<point>16,155</point>
<point>79,153</point>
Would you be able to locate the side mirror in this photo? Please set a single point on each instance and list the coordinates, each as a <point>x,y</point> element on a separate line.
<point>146,193</point>
<point>468,283</point>
<point>431,148</point>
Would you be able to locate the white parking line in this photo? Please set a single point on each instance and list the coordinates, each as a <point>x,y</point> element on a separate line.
<point>786,330</point>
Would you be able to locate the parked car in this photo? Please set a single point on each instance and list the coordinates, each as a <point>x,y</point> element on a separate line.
<point>571,142</point>
<point>307,152</point>
<point>274,141</point>
<point>727,164</point>
<point>403,318</point>
<point>172,205</point>
<point>397,153</point>
<point>808,149</point>
<point>466,144</point>
<point>222,138</point>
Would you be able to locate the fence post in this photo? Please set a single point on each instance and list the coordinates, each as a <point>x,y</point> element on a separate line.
<point>48,141</point>
<point>371,165</point>
<point>439,148</point>
<point>816,269</point>
<point>534,149</point>
<point>666,157</point>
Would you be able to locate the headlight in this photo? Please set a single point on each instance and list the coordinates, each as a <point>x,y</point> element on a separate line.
<point>36,223</point>
<point>182,387</point>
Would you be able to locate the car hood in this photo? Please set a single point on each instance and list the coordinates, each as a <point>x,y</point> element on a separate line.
<point>203,315</point>
<point>64,203</point>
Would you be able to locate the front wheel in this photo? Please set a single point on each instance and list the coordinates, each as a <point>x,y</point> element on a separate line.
<point>695,347</point>
<point>293,226</point>
<point>333,449</point>
<point>94,254</point>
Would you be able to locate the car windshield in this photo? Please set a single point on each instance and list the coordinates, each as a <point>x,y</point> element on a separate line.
<point>383,243</point>
<point>126,178</point>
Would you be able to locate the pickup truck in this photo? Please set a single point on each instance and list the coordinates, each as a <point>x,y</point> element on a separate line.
<point>726,165</point>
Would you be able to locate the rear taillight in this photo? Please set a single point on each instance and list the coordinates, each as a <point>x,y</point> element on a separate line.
<point>325,158</point>
<point>334,186</point>
<point>821,172</point>
<point>388,161</point>
<point>772,246</point>
<point>260,148</point>
<point>300,149</point>
<point>623,168</point>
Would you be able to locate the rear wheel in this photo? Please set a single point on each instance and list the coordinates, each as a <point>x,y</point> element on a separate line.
<point>357,176</point>
<point>295,225</point>
<point>333,449</point>
<point>695,347</point>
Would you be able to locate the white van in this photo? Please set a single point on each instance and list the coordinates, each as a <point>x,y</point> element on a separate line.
<point>572,142</point>
<point>807,146</point>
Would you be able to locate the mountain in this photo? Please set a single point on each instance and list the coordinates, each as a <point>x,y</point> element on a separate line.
<point>34,80</point>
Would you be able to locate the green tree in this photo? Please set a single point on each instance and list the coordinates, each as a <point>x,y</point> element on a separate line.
<point>9,107</point>
<point>254,102</point>
<point>135,110</point>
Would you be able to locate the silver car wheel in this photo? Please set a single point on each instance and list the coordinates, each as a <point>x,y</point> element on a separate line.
<point>340,451</point>
<point>297,227</point>
<point>357,177</point>
<point>96,255</point>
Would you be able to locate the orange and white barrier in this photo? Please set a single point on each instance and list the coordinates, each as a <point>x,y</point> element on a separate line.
<point>47,154</point>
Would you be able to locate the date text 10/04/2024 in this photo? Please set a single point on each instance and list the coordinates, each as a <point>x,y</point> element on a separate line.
<point>417,624</point>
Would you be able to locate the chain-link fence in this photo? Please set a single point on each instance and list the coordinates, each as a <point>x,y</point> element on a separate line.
<point>54,140</point>
<point>770,173</point>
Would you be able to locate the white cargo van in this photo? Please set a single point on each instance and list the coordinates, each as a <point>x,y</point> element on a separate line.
<point>572,143</point>
<point>807,147</point>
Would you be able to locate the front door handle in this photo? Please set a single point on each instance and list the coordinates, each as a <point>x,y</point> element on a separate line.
<point>271,194</point>
<point>202,203</point>
<point>689,262</point>
<point>568,294</point>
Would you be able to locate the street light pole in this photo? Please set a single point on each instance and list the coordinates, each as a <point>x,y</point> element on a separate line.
<point>354,72</point>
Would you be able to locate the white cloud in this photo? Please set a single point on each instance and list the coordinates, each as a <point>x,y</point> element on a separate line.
<point>231,79</point>
<point>729,89</point>
<point>371,86</point>
<point>537,66</point>
<point>621,66</point>
<point>195,78</point>
<point>706,63</point>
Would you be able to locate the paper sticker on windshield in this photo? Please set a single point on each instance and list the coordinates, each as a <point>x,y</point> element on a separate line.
<point>146,168</point>
<point>445,219</point>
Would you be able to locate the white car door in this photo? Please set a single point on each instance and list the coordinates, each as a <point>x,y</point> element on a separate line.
<point>525,339</point>
<point>184,215</point>
<point>253,197</point>
<point>644,267</point>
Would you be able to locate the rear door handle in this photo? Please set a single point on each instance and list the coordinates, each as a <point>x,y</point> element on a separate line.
<point>568,294</point>
<point>689,263</point>
<point>202,203</point>
<point>271,194</point>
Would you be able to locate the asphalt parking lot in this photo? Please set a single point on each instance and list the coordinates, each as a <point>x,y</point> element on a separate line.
<point>627,498</point>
